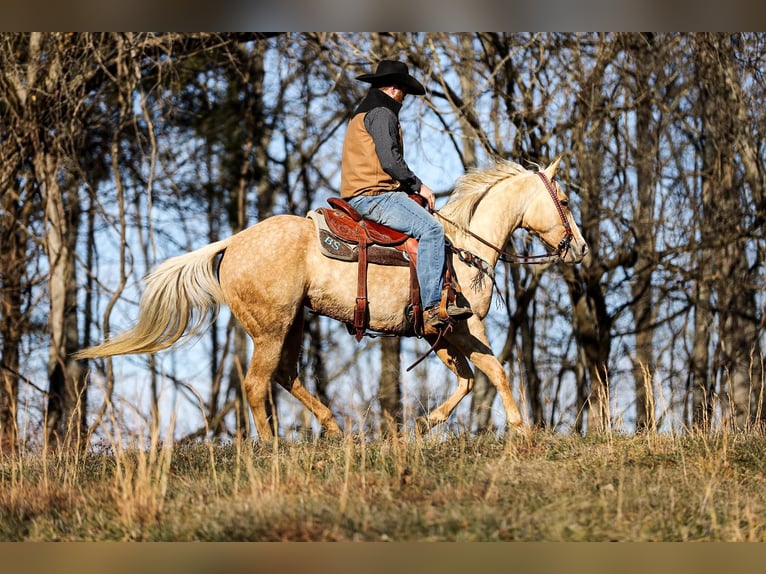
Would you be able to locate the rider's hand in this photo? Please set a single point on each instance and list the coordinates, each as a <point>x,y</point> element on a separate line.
<point>428,194</point>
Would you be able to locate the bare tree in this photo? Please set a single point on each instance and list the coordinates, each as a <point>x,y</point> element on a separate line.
<point>46,85</point>
<point>17,206</point>
<point>736,277</point>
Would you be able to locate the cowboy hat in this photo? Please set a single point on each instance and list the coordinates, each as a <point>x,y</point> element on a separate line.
<point>391,73</point>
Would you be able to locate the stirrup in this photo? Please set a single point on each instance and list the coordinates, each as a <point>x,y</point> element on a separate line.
<point>434,317</point>
<point>458,312</point>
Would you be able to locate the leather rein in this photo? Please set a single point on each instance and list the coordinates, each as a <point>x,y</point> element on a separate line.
<point>561,249</point>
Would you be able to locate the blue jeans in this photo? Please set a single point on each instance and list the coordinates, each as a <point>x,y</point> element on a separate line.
<point>397,211</point>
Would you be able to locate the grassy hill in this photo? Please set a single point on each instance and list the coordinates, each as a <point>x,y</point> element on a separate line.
<point>545,487</point>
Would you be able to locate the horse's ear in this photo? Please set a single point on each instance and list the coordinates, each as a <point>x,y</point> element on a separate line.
<point>550,171</point>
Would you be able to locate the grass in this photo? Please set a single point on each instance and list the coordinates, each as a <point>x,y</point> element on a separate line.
<point>546,487</point>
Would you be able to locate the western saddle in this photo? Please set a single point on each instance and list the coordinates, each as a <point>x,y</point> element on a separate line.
<point>387,247</point>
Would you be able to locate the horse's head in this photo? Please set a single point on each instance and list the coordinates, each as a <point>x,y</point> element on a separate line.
<point>548,217</point>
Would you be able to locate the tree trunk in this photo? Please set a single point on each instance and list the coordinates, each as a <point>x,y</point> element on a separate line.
<point>736,279</point>
<point>66,399</point>
<point>12,265</point>
<point>592,333</point>
<point>389,391</point>
<point>700,381</point>
<point>642,304</point>
<point>592,323</point>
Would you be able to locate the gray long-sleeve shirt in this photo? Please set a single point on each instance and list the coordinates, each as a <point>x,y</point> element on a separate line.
<point>383,126</point>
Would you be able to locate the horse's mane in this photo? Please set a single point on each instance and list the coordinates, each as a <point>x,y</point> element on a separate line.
<point>473,186</point>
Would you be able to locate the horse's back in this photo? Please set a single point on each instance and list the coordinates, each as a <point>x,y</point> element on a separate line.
<point>265,264</point>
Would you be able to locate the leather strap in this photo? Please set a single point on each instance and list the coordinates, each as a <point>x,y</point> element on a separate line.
<point>417,307</point>
<point>360,311</point>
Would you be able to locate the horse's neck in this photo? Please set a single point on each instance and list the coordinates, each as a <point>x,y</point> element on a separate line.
<point>495,220</point>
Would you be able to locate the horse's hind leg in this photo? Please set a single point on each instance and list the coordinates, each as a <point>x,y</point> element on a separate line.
<point>287,376</point>
<point>275,358</point>
<point>266,365</point>
<point>311,402</point>
<point>458,364</point>
<point>257,386</point>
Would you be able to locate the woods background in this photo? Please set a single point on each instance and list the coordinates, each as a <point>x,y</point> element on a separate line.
<point>121,150</point>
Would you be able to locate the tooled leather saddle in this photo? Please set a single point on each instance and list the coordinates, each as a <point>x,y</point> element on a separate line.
<point>345,235</point>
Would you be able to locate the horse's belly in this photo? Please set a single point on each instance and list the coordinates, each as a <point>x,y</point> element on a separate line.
<point>333,291</point>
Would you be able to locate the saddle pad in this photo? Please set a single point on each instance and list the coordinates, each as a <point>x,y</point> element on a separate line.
<point>334,247</point>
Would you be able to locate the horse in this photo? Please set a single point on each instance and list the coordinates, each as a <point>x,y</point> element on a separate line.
<point>270,273</point>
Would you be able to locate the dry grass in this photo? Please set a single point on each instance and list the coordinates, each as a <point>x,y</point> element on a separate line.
<point>547,487</point>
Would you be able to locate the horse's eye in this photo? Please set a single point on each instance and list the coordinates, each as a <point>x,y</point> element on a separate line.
<point>565,202</point>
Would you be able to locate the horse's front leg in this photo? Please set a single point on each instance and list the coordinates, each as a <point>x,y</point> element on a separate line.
<point>458,364</point>
<point>473,342</point>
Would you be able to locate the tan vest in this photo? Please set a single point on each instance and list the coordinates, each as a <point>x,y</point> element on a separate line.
<point>361,172</point>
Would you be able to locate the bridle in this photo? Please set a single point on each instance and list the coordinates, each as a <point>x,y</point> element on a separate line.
<point>561,249</point>
<point>563,245</point>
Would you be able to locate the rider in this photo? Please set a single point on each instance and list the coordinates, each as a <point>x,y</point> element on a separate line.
<point>375,180</point>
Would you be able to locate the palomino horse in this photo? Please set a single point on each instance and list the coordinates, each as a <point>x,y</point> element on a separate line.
<point>269,273</point>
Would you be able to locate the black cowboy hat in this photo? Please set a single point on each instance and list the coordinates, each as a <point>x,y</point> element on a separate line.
<point>391,73</point>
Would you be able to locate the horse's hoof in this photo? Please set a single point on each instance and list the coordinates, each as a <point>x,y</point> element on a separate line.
<point>332,435</point>
<point>518,429</point>
<point>422,425</point>
<point>332,430</point>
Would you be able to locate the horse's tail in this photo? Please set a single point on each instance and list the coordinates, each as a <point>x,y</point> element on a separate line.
<point>178,295</point>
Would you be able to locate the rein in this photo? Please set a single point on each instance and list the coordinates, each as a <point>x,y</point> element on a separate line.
<point>507,257</point>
